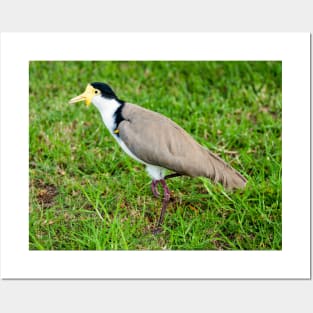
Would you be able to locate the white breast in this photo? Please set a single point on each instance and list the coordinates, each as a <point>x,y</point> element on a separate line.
<point>107,108</point>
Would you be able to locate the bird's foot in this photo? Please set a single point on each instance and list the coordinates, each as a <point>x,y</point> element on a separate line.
<point>157,230</point>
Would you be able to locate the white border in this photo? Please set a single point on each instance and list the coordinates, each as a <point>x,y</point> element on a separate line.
<point>18,262</point>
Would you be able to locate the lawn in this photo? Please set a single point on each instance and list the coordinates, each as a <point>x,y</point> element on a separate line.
<point>87,194</point>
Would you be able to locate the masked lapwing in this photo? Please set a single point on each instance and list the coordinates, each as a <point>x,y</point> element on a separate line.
<point>157,142</point>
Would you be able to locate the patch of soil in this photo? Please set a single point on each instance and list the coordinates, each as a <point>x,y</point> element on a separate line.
<point>46,195</point>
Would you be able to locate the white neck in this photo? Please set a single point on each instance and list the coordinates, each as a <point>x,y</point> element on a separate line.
<point>107,108</point>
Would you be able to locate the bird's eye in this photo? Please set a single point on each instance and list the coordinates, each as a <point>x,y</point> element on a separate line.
<point>96,91</point>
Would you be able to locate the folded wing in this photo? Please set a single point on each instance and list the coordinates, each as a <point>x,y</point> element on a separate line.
<point>157,140</point>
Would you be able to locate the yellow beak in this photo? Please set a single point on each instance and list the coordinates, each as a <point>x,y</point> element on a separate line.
<point>86,96</point>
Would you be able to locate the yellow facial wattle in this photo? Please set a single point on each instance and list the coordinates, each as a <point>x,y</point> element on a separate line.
<point>87,96</point>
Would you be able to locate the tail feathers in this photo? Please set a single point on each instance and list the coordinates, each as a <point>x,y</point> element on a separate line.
<point>219,171</point>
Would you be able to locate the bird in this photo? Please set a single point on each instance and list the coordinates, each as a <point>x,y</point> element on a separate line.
<point>157,142</point>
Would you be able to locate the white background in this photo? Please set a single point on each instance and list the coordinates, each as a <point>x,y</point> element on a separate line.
<point>292,262</point>
<point>156,296</point>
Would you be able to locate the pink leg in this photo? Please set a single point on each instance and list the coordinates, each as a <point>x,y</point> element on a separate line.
<point>154,189</point>
<point>166,200</point>
<point>154,185</point>
<point>167,193</point>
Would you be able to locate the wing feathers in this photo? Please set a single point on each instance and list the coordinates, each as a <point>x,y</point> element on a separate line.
<point>157,140</point>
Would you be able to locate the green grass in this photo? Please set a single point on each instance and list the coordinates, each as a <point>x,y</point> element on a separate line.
<point>87,194</point>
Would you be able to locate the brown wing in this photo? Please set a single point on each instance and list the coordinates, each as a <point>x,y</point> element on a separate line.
<point>157,140</point>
